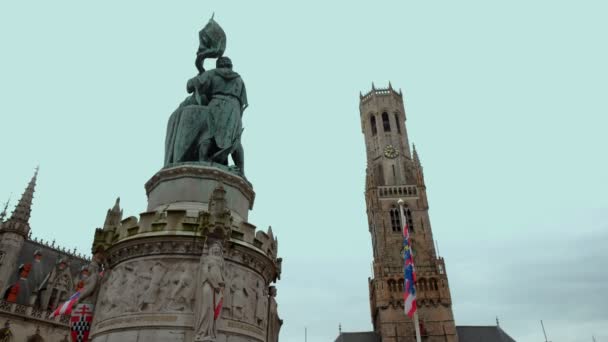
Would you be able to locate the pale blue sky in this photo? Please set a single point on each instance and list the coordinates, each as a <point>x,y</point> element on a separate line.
<point>506,102</point>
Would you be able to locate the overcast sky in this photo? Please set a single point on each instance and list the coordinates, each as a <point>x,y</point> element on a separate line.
<point>506,103</point>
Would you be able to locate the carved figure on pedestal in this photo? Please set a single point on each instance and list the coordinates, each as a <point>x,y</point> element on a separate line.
<point>274,322</point>
<point>82,316</point>
<point>210,286</point>
<point>156,276</point>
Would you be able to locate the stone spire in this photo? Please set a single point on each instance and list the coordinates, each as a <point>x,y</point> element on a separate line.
<point>114,215</point>
<point>416,159</point>
<point>3,213</point>
<point>418,165</point>
<point>19,221</point>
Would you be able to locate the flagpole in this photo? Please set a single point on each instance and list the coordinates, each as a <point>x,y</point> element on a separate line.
<point>404,225</point>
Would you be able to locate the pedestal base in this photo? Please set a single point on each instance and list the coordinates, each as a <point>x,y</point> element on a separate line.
<point>189,187</point>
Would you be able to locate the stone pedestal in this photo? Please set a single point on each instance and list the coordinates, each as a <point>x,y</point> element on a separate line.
<point>150,292</point>
<point>189,187</point>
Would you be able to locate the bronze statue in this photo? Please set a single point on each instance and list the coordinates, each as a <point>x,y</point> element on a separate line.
<point>207,127</point>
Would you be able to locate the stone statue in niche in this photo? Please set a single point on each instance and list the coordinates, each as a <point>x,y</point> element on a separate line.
<point>274,322</point>
<point>19,292</point>
<point>209,293</point>
<point>180,298</point>
<point>36,277</point>
<point>151,294</point>
<point>261,304</point>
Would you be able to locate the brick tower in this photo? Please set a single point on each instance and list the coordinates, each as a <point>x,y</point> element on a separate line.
<point>394,172</point>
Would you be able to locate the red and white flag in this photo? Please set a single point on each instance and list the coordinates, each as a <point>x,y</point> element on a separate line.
<point>66,308</point>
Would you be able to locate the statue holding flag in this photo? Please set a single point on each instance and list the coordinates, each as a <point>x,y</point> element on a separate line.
<point>209,294</point>
<point>206,127</point>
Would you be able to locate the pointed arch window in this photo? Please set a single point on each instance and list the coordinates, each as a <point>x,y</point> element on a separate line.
<point>395,220</point>
<point>408,217</point>
<point>385,123</point>
<point>397,123</point>
<point>372,121</point>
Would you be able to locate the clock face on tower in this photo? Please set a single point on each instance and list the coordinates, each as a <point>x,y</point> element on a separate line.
<point>390,152</point>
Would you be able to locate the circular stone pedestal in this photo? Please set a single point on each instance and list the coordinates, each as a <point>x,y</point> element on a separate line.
<point>189,187</point>
<point>150,292</point>
<point>151,298</point>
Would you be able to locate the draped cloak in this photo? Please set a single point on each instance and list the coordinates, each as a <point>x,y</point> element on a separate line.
<point>196,121</point>
<point>208,296</point>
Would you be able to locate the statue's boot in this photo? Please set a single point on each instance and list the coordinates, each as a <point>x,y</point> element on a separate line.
<point>238,157</point>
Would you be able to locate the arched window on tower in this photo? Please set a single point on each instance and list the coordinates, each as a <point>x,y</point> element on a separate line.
<point>434,286</point>
<point>395,220</point>
<point>408,216</point>
<point>372,121</point>
<point>385,123</point>
<point>422,285</point>
<point>398,123</point>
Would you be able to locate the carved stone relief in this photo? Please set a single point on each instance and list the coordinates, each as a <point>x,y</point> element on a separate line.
<point>168,285</point>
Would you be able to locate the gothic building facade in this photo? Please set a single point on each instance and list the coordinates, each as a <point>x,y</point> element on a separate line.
<point>35,277</point>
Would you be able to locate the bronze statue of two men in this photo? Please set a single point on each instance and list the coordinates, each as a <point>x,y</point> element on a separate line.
<point>207,127</point>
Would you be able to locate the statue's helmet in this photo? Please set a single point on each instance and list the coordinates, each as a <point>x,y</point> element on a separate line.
<point>212,40</point>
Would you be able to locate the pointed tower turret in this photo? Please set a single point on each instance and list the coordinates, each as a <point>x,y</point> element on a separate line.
<point>418,165</point>
<point>3,213</point>
<point>114,216</point>
<point>19,220</point>
<point>14,232</point>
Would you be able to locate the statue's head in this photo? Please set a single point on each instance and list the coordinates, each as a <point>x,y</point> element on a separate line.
<point>212,40</point>
<point>84,272</point>
<point>215,250</point>
<point>223,62</point>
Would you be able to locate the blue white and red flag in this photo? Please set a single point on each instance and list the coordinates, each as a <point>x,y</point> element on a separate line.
<point>409,294</point>
<point>66,307</point>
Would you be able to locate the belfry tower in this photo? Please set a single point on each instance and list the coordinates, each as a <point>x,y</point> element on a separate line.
<point>394,172</point>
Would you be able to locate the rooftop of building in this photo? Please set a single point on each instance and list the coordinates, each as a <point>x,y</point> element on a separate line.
<point>492,333</point>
